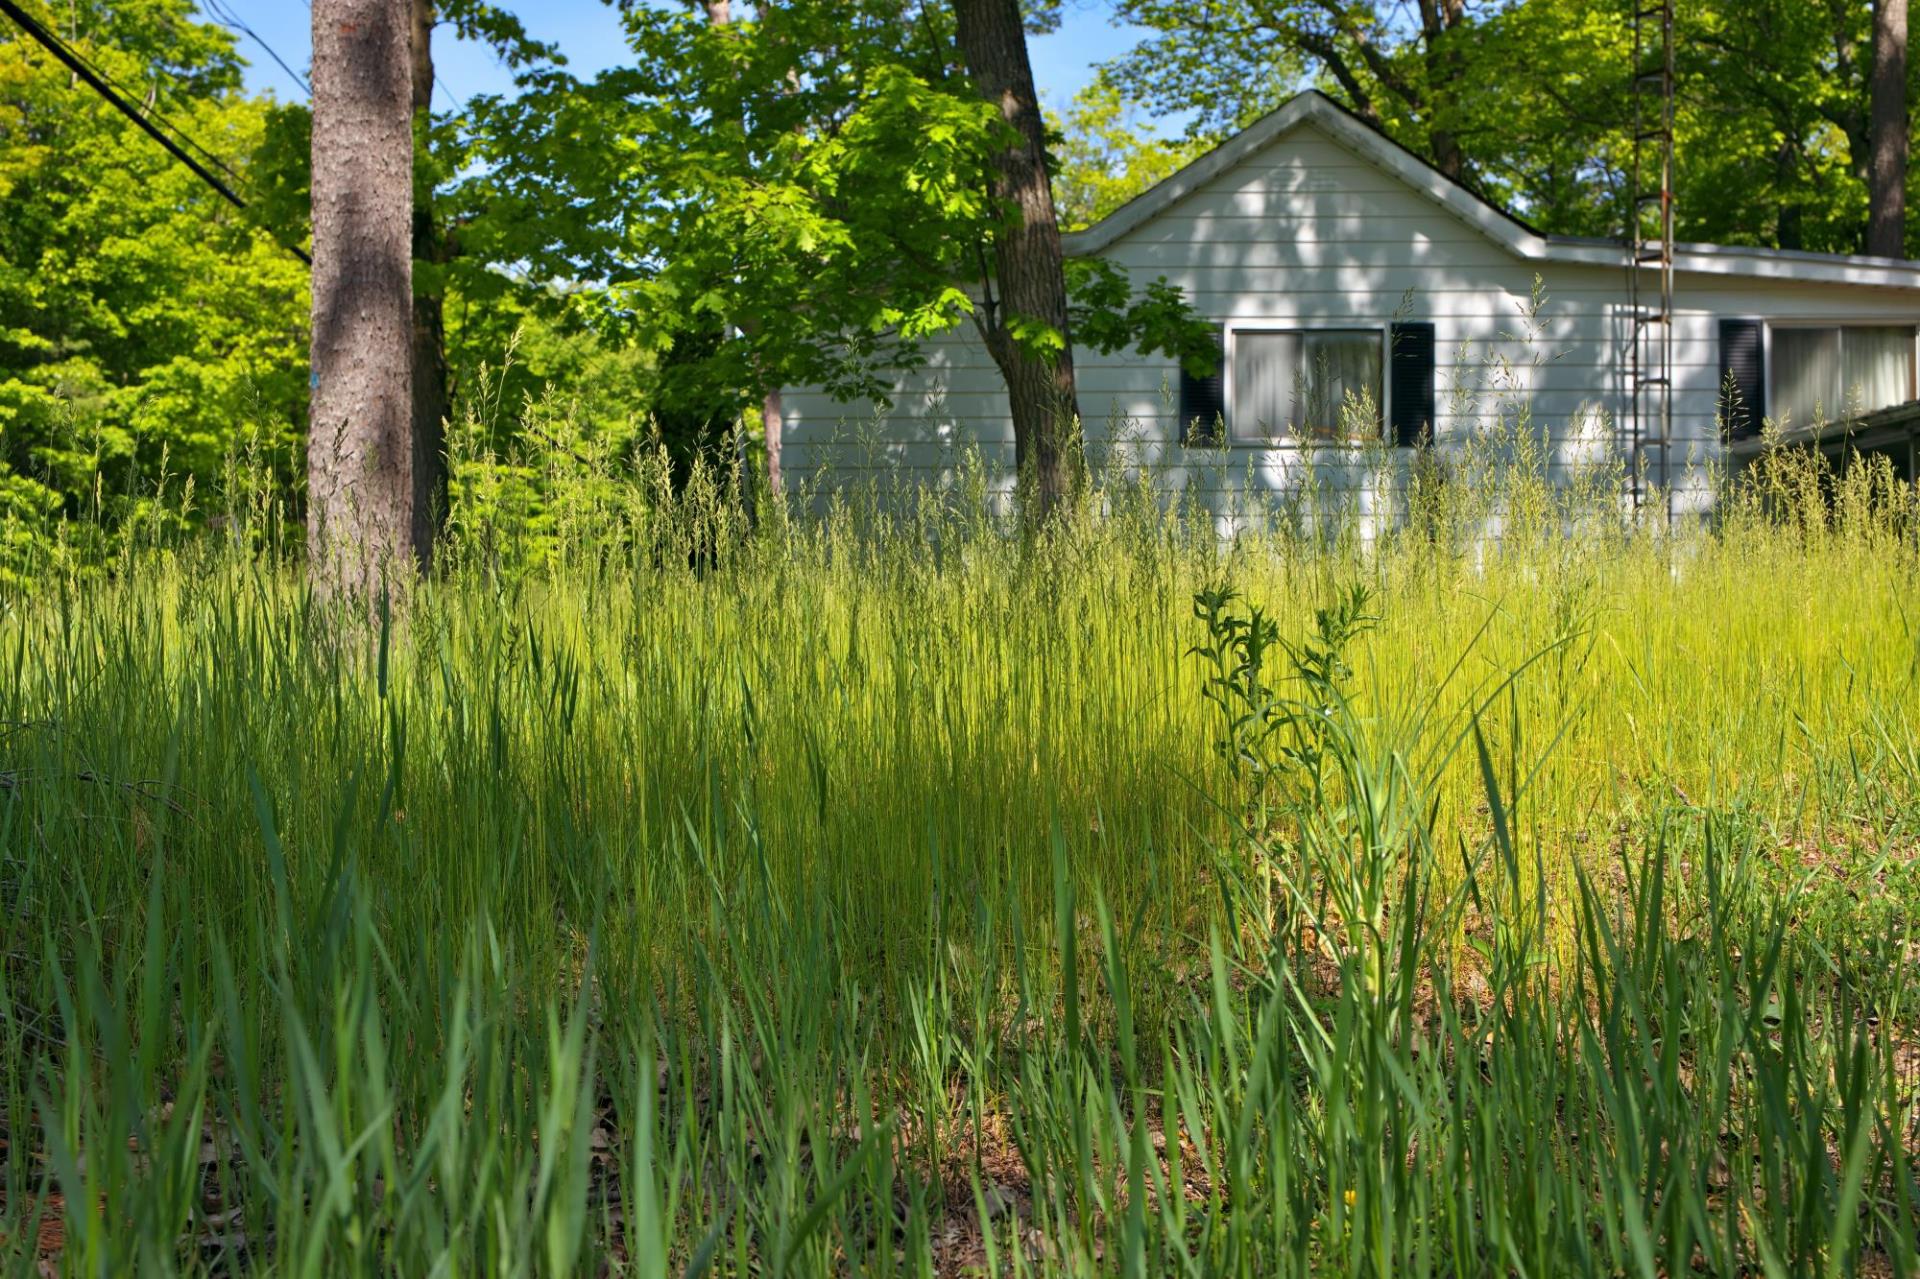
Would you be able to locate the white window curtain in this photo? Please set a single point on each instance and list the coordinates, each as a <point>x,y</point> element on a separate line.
<point>1343,386</point>
<point>1876,367</point>
<point>1264,368</point>
<point>1806,376</point>
<point>1825,374</point>
<point>1304,385</point>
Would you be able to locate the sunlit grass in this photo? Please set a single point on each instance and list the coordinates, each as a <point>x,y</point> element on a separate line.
<point>681,892</point>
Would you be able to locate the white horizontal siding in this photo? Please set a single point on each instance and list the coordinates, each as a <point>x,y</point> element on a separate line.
<point>1305,232</point>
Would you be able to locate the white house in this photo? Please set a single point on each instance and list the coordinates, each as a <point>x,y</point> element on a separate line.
<point>1336,262</point>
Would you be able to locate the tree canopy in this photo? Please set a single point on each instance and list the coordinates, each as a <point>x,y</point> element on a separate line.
<point>801,193</point>
<point>1527,101</point>
<point>145,324</point>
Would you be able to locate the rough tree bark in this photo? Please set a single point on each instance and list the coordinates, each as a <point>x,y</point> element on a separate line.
<point>359,447</point>
<point>1028,265</point>
<point>430,378</point>
<point>1887,170</point>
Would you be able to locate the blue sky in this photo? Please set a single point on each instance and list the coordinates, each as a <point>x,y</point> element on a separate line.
<point>588,32</point>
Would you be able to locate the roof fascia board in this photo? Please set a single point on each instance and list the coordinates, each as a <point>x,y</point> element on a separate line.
<point>1786,264</point>
<point>1367,144</point>
<point>1309,106</point>
<point>1183,182</point>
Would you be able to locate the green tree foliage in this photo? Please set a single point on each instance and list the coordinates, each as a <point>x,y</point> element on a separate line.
<point>150,332</point>
<point>1770,125</point>
<point>142,318</point>
<point>1527,101</point>
<point>1104,155</point>
<point>798,196</point>
<point>803,182</point>
<point>507,329</point>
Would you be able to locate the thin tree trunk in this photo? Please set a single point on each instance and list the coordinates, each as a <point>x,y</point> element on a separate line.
<point>719,14</point>
<point>430,395</point>
<point>1788,230</point>
<point>1028,265</point>
<point>1446,68</point>
<point>1887,174</point>
<point>771,426</point>
<point>772,409</point>
<point>359,447</point>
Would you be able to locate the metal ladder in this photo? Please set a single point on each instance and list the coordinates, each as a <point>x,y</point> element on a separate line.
<point>1649,243</point>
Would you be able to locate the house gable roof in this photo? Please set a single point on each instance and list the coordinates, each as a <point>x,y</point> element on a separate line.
<point>1526,243</point>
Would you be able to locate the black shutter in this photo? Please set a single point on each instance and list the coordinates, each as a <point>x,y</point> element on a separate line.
<point>1743,378</point>
<point>1203,405</point>
<point>1411,362</point>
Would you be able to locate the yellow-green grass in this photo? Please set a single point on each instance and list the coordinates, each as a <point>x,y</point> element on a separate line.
<point>822,811</point>
<point>887,714</point>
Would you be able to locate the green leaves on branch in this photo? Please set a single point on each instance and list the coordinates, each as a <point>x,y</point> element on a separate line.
<point>1528,102</point>
<point>1108,316</point>
<point>1104,154</point>
<point>147,329</point>
<point>798,197</point>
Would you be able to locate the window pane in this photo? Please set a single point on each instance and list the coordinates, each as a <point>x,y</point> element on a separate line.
<point>1342,387</point>
<point>1806,376</point>
<point>1878,367</point>
<point>1305,385</point>
<point>1264,368</point>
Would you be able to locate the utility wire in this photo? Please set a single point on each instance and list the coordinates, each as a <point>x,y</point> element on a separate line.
<point>154,112</point>
<point>78,65</point>
<point>228,18</point>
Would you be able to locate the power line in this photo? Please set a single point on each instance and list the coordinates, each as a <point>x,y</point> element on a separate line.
<point>152,110</point>
<point>228,18</point>
<point>79,66</point>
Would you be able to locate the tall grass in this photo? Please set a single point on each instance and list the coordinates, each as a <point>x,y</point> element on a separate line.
<point>679,892</point>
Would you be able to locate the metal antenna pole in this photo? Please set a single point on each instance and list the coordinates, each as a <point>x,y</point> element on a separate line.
<point>1649,433</point>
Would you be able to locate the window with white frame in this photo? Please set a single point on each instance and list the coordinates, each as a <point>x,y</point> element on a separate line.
<point>1826,373</point>
<point>1303,384</point>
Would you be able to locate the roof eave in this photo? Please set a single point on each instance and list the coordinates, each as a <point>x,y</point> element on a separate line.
<point>1496,224</point>
<point>1310,106</point>
<point>1744,260</point>
<point>1870,430</point>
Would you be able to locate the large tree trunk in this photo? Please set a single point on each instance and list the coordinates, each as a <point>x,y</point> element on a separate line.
<point>430,395</point>
<point>1887,172</point>
<point>359,448</point>
<point>1028,265</point>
